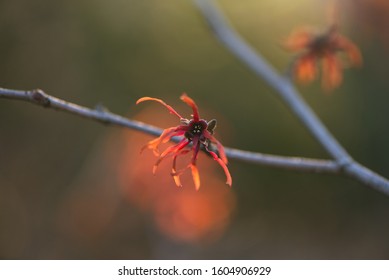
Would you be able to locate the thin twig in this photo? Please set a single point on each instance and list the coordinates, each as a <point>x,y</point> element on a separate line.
<point>292,163</point>
<point>99,114</point>
<point>40,98</point>
<point>288,93</point>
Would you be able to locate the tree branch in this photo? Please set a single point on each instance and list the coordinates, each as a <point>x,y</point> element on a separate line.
<point>38,97</point>
<point>288,93</point>
<point>279,83</point>
<point>99,114</point>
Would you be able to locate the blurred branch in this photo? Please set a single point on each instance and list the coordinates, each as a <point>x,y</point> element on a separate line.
<point>279,83</point>
<point>101,115</point>
<point>288,93</point>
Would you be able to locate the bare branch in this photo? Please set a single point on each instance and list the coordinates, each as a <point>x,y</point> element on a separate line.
<point>292,163</point>
<point>279,83</point>
<point>288,93</point>
<point>40,98</point>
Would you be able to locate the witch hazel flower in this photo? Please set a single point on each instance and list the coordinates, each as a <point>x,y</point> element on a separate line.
<point>323,50</point>
<point>196,133</point>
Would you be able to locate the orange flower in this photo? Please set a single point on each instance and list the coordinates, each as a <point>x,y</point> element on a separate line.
<point>324,49</point>
<point>195,131</point>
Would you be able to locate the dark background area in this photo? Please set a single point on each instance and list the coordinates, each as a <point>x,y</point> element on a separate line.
<point>60,196</point>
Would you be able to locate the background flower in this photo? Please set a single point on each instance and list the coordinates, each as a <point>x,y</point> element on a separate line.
<point>322,50</point>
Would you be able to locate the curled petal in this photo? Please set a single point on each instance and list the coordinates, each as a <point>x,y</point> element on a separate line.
<point>299,39</point>
<point>176,174</point>
<point>192,104</point>
<point>173,150</point>
<point>224,166</point>
<point>170,108</point>
<point>352,51</point>
<point>354,55</point>
<point>177,180</point>
<point>163,138</point>
<point>332,72</point>
<point>219,146</point>
<point>305,68</point>
<point>196,176</point>
<point>222,153</point>
<point>177,133</point>
<point>195,148</point>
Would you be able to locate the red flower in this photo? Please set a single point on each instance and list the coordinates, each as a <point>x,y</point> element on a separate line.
<point>322,48</point>
<point>195,131</point>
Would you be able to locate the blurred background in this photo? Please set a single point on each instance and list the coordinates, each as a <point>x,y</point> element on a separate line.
<point>72,188</point>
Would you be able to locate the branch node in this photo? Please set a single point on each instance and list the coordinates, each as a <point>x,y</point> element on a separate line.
<point>101,108</point>
<point>344,162</point>
<point>40,97</point>
<point>103,112</point>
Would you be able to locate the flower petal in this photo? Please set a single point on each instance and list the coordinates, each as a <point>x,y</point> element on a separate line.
<point>192,104</point>
<point>305,68</point>
<point>196,176</point>
<point>175,149</point>
<point>224,166</point>
<point>163,138</point>
<point>299,39</point>
<point>219,146</point>
<point>170,108</point>
<point>176,174</point>
<point>195,148</point>
<point>332,72</point>
<point>352,51</point>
